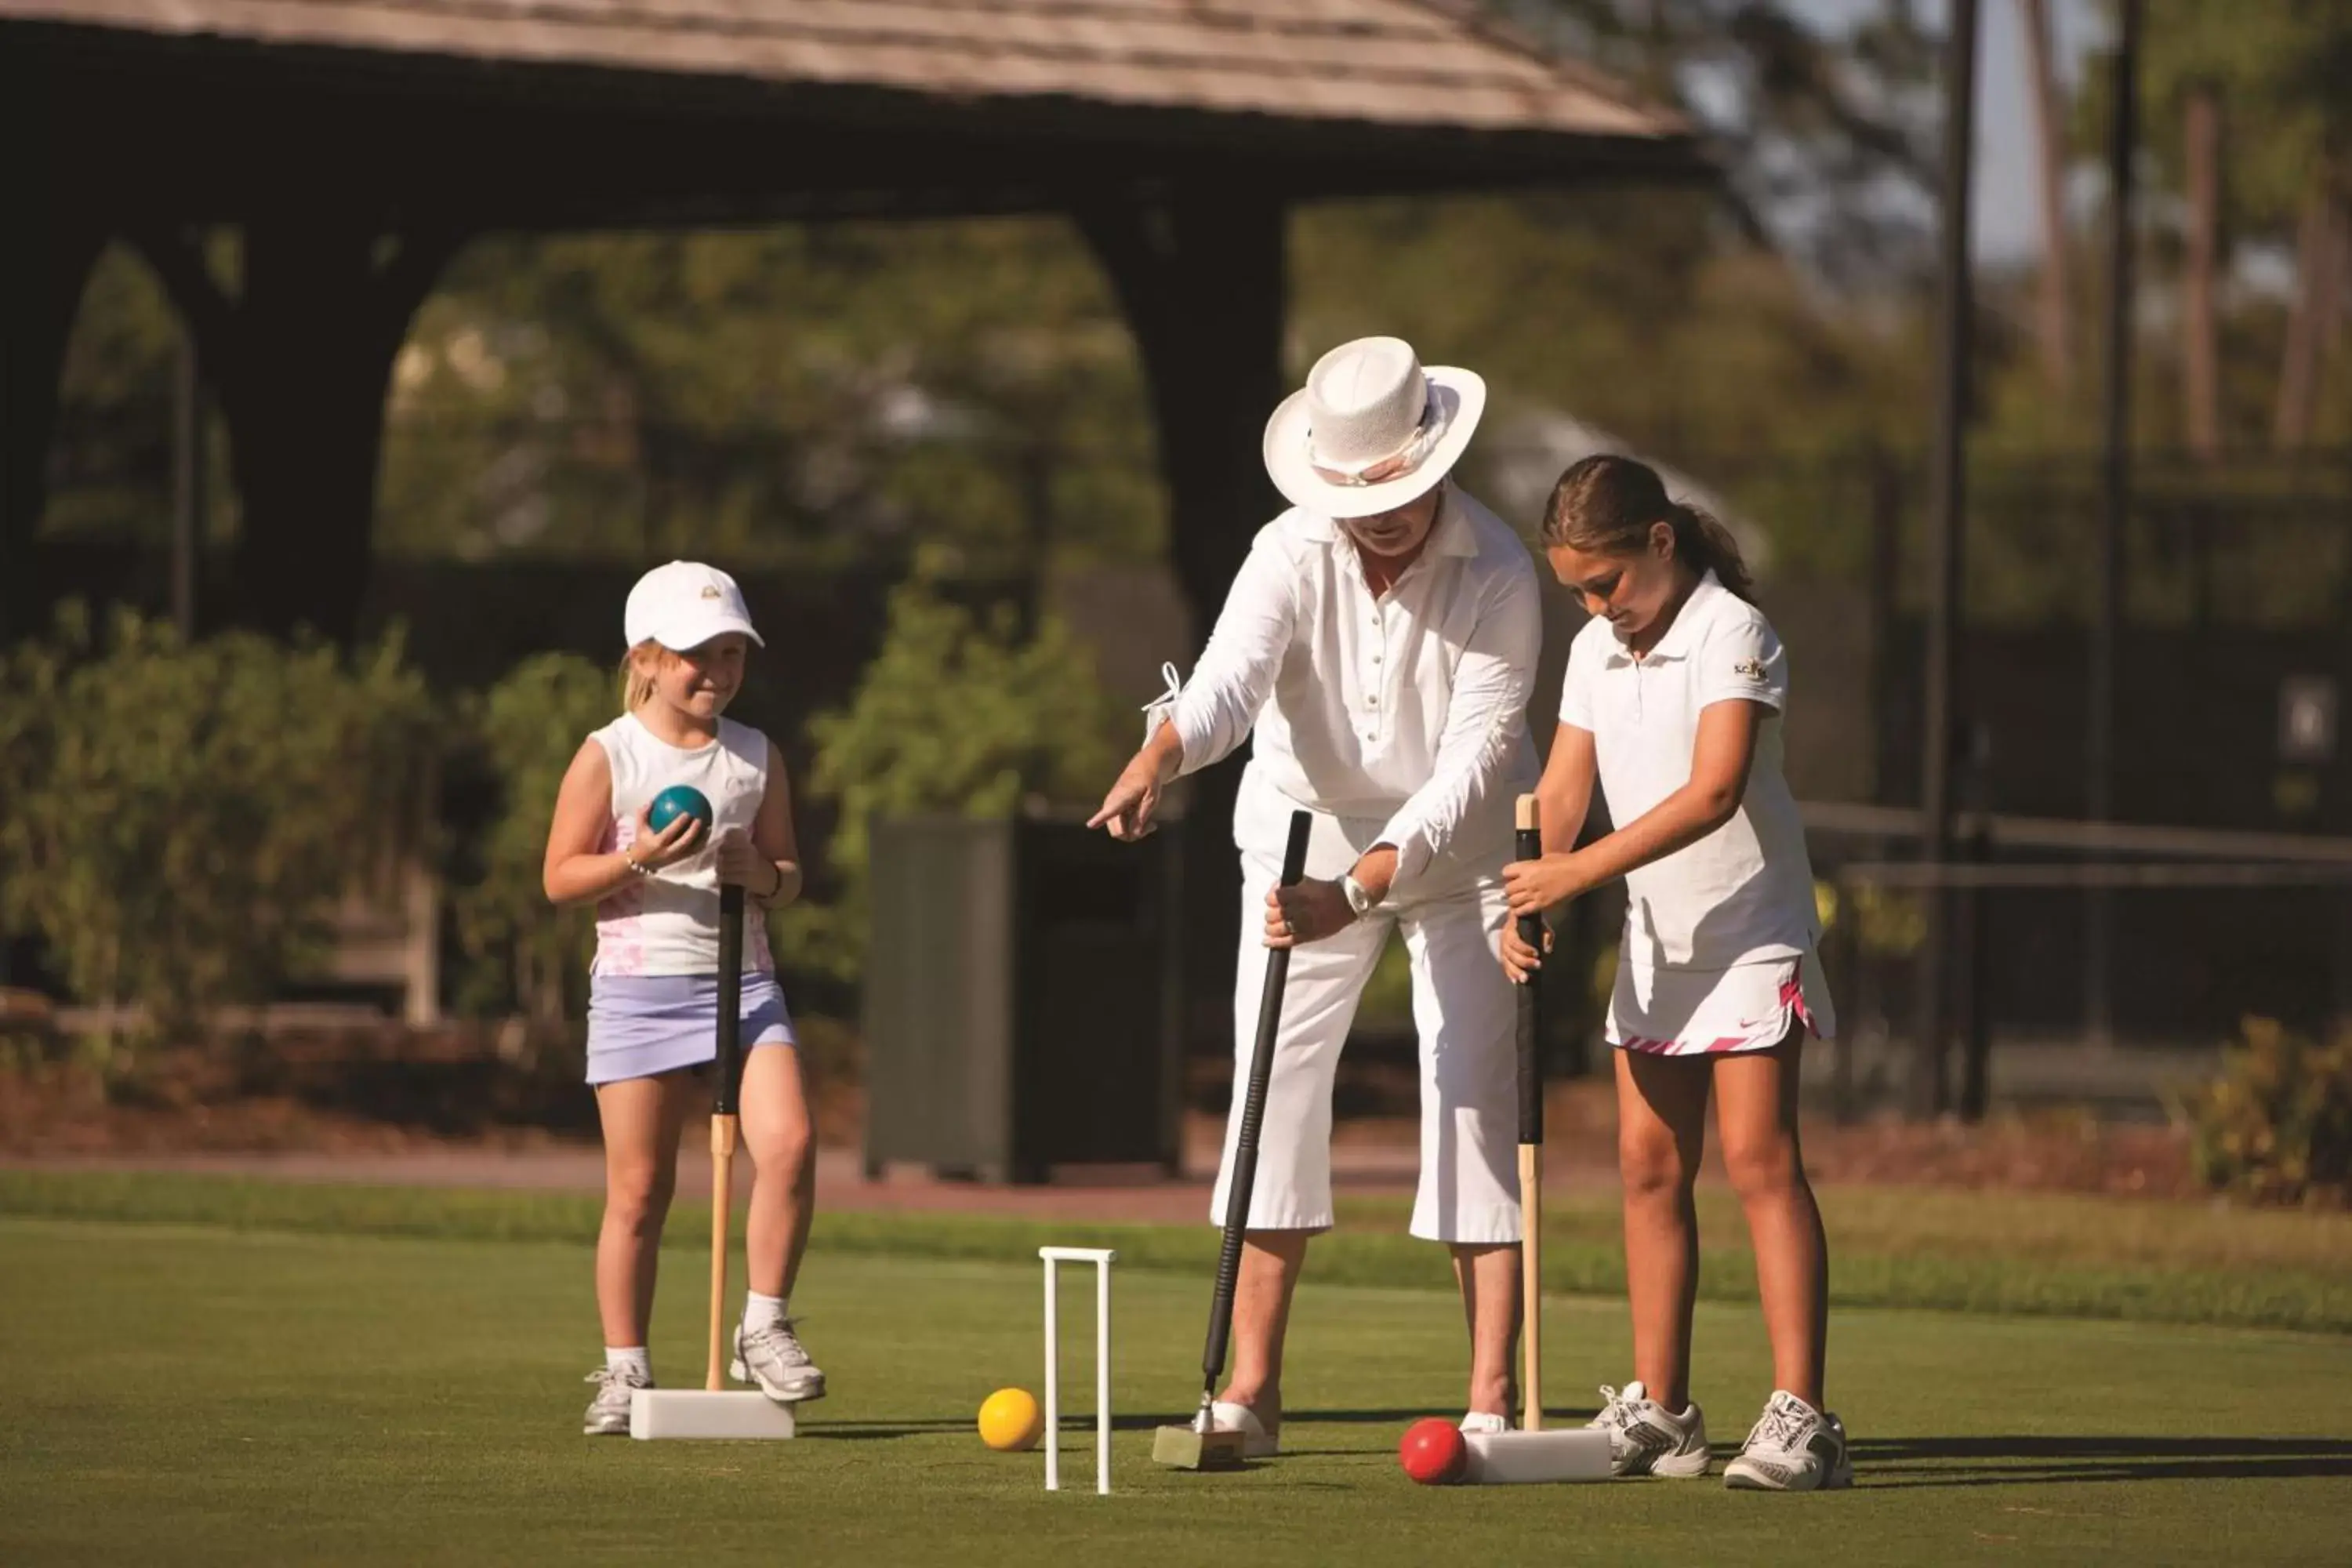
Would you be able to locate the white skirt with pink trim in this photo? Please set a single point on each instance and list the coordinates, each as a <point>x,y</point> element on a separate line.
<point>1708,1012</point>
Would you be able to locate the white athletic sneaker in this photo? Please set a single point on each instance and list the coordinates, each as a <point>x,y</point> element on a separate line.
<point>1793,1448</point>
<point>1647,1439</point>
<point>773,1359</point>
<point>608,1413</point>
<point>1485,1421</point>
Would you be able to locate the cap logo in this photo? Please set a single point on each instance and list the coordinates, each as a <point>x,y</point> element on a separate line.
<point>710,591</point>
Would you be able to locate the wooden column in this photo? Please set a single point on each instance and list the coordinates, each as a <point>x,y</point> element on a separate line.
<point>1199,276</point>
<point>44,263</point>
<point>301,356</point>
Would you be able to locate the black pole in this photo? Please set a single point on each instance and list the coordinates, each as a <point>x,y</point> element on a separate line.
<point>2106,615</point>
<point>1947,509</point>
<point>1974,933</point>
<point>187,485</point>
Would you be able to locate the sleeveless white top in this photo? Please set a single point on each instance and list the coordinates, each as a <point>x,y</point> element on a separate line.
<point>667,923</point>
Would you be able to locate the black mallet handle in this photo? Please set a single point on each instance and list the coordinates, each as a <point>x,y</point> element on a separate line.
<point>1245,1176</point>
<point>729,1065</point>
<point>726,1075</point>
<point>1529,847</point>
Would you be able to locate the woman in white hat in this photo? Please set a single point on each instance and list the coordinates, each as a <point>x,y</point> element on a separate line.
<point>1380,642</point>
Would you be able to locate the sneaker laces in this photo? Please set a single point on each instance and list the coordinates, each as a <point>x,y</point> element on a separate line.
<point>1783,1426</point>
<point>1616,1410</point>
<point>779,1339</point>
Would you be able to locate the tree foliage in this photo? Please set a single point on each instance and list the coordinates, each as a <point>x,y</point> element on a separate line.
<point>961,712</point>
<point>179,821</point>
<point>528,728</point>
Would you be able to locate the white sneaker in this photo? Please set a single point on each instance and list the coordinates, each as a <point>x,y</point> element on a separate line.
<point>608,1413</point>
<point>1793,1448</point>
<point>774,1359</point>
<point>1257,1443</point>
<point>1647,1439</point>
<point>1485,1421</point>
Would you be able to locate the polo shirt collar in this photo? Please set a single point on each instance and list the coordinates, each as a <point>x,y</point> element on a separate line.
<point>1689,622</point>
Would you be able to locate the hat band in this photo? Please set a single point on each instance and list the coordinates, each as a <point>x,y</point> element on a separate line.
<point>1435,416</point>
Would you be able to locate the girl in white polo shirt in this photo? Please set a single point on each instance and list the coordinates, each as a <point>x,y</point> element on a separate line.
<point>652,992</point>
<point>1673,698</point>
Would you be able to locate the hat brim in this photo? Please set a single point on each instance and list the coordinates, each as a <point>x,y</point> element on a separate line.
<point>1293,473</point>
<point>685,636</point>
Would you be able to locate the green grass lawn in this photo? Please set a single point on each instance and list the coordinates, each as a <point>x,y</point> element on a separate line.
<point>196,1392</point>
<point>2010,1253</point>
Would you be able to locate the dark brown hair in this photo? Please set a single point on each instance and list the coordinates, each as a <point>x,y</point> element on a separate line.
<point>1606,505</point>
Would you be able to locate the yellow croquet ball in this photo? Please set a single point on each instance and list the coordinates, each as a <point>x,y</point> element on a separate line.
<point>1009,1420</point>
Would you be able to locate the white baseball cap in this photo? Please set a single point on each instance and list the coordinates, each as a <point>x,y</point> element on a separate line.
<point>683,605</point>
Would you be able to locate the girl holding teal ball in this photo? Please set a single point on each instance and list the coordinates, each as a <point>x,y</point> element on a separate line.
<point>660,809</point>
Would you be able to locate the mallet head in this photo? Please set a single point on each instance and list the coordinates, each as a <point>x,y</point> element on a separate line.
<point>1190,1448</point>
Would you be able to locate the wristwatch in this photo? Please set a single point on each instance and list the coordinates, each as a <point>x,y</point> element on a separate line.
<point>1360,897</point>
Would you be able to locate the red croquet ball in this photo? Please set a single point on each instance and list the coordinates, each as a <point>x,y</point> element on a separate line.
<point>1433,1452</point>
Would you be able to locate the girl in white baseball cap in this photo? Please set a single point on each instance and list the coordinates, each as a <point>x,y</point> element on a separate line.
<point>1673,701</point>
<point>654,989</point>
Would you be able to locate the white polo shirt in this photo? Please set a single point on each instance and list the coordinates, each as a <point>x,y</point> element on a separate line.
<point>1404,717</point>
<point>1743,894</point>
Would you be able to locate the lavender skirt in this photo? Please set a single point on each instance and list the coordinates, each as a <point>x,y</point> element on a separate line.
<point>641,1025</point>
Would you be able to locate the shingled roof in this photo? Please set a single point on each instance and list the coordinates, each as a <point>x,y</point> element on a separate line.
<point>1387,63</point>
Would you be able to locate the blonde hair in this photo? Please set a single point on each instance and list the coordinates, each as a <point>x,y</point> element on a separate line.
<point>637,683</point>
<point>1608,504</point>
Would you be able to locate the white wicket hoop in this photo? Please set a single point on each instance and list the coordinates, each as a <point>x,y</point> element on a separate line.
<point>1101,1258</point>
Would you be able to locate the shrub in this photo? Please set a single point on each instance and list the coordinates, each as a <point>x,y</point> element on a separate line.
<point>2276,1126</point>
<point>527,729</point>
<point>959,712</point>
<point>179,821</point>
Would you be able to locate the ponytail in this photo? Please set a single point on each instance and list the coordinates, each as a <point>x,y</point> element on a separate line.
<point>1708,546</point>
<point>1607,505</point>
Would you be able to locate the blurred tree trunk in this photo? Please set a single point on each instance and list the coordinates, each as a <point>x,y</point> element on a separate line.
<point>2053,313</point>
<point>2313,313</point>
<point>2201,355</point>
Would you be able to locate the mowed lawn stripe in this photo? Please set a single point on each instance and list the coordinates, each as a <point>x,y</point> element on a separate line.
<point>2048,1255</point>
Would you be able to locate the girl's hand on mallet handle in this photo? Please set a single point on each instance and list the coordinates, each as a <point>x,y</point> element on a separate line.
<point>1535,886</point>
<point>741,864</point>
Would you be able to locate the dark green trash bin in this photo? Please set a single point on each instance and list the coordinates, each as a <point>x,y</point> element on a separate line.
<point>1021,993</point>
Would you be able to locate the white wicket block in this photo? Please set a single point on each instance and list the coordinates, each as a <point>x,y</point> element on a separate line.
<point>700,1412</point>
<point>1507,1458</point>
<point>1101,1258</point>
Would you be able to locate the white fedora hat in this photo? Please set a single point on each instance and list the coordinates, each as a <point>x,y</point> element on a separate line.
<point>1371,429</point>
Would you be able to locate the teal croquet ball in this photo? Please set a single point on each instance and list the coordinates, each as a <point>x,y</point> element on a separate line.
<point>679,800</point>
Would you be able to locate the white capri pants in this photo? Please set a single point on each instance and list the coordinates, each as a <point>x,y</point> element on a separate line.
<point>1463,1009</point>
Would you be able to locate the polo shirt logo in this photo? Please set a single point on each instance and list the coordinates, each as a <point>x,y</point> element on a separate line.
<point>1749,668</point>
